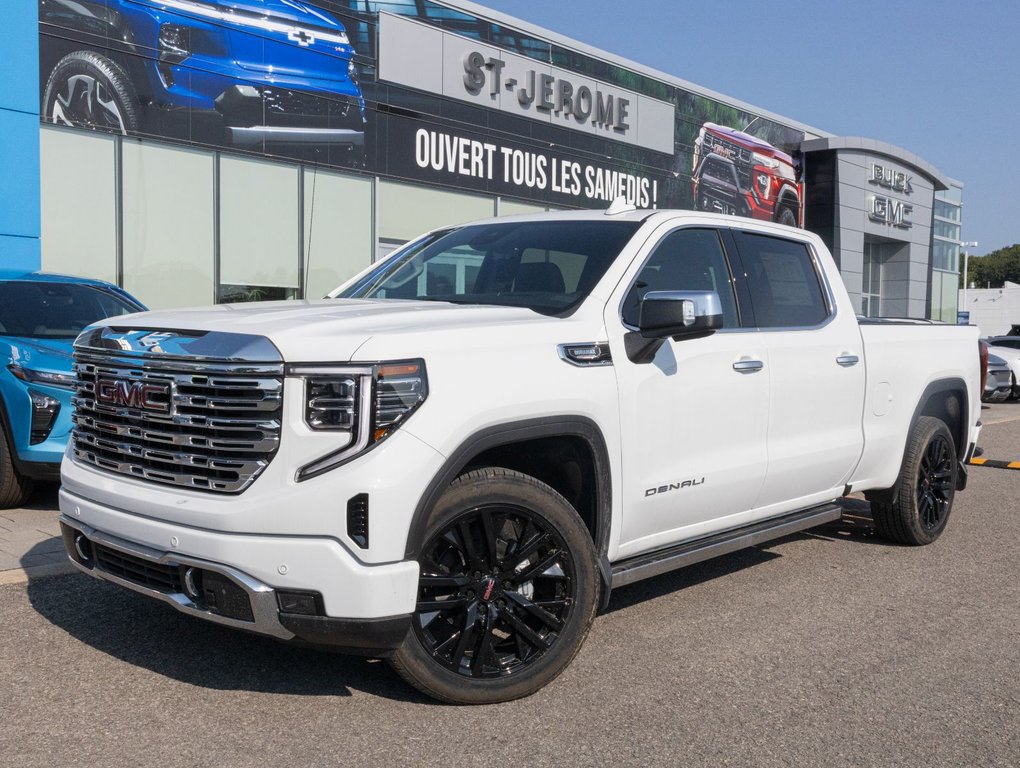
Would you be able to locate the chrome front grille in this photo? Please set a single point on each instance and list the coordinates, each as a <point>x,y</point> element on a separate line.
<point>210,425</point>
<point>742,157</point>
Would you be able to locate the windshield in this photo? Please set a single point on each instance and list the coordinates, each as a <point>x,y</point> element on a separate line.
<point>547,266</point>
<point>55,310</point>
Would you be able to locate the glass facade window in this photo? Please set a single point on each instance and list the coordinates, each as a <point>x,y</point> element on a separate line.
<point>78,180</point>
<point>169,224</point>
<point>945,253</point>
<point>871,284</point>
<point>946,229</point>
<point>513,207</point>
<point>337,229</point>
<point>947,210</point>
<point>259,230</point>
<point>406,211</point>
<point>944,290</point>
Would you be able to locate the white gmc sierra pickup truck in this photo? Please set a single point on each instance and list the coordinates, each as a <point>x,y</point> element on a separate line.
<point>452,460</point>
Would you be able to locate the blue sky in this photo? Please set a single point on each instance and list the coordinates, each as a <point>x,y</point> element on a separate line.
<point>939,78</point>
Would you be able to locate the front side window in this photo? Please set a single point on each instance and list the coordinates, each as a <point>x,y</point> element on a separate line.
<point>56,310</point>
<point>547,266</point>
<point>685,260</point>
<point>784,284</point>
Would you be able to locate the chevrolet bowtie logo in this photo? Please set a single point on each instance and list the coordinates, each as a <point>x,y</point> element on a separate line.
<point>302,38</point>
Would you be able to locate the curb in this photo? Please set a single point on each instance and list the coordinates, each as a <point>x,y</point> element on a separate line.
<point>995,463</point>
<point>24,575</point>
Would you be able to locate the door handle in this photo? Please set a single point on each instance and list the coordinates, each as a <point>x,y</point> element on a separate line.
<point>748,366</point>
<point>847,360</point>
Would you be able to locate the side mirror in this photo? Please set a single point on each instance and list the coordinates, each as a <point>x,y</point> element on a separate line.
<point>672,314</point>
<point>679,314</point>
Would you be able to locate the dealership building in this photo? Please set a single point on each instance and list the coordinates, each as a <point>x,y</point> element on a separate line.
<point>198,152</point>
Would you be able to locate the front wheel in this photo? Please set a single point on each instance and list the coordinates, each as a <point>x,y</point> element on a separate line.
<point>507,591</point>
<point>15,488</point>
<point>787,216</point>
<point>91,91</point>
<point>923,498</point>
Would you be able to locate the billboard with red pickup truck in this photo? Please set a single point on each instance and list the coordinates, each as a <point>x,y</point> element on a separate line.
<point>765,185</point>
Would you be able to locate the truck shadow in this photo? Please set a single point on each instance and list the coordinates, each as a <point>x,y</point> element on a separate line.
<point>153,636</point>
<point>855,525</point>
<point>150,635</point>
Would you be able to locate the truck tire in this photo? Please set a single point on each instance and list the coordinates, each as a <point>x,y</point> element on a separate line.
<point>507,592</point>
<point>918,509</point>
<point>91,91</point>
<point>787,216</point>
<point>14,487</point>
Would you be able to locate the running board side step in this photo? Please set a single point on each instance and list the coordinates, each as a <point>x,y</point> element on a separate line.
<point>662,561</point>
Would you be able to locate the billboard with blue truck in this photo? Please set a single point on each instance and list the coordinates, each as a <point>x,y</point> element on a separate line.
<point>412,90</point>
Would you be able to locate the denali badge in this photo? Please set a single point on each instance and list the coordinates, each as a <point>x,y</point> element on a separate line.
<point>134,394</point>
<point>674,486</point>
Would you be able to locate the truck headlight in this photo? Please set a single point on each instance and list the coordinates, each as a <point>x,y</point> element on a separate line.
<point>765,161</point>
<point>369,402</point>
<point>174,43</point>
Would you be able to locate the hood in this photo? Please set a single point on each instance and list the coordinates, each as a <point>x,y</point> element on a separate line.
<point>749,141</point>
<point>53,355</point>
<point>296,12</point>
<point>332,330</point>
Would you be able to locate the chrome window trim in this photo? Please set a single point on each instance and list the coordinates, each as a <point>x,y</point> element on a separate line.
<point>644,261</point>
<point>827,295</point>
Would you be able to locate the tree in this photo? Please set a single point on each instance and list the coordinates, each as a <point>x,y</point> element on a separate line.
<point>994,269</point>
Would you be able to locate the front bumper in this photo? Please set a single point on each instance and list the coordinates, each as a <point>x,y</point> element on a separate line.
<point>254,115</point>
<point>237,580</point>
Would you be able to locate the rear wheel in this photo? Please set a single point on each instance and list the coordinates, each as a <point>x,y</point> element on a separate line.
<point>507,591</point>
<point>15,488</point>
<point>919,507</point>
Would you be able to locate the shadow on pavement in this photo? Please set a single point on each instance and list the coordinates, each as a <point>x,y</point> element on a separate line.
<point>148,634</point>
<point>856,524</point>
<point>44,497</point>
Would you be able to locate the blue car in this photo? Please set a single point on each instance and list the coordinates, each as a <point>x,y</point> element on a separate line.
<point>245,73</point>
<point>40,316</point>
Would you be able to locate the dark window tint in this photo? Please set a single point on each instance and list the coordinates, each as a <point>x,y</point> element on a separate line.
<point>548,266</point>
<point>55,310</point>
<point>685,260</point>
<point>783,282</point>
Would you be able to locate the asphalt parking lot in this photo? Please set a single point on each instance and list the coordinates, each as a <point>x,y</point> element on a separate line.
<point>828,648</point>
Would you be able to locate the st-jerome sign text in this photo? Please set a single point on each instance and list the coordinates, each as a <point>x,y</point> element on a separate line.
<point>433,60</point>
<point>548,93</point>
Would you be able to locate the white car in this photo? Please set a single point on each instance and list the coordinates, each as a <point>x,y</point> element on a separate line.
<point>1008,348</point>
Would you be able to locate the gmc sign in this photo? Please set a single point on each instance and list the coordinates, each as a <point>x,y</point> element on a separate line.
<point>144,395</point>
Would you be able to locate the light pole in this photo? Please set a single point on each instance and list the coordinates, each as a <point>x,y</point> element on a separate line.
<point>966,255</point>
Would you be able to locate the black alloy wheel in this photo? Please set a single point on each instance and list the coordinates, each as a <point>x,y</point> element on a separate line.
<point>496,588</point>
<point>506,594</point>
<point>916,510</point>
<point>935,483</point>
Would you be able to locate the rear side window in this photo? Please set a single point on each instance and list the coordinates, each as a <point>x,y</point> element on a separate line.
<point>784,284</point>
<point>685,260</point>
